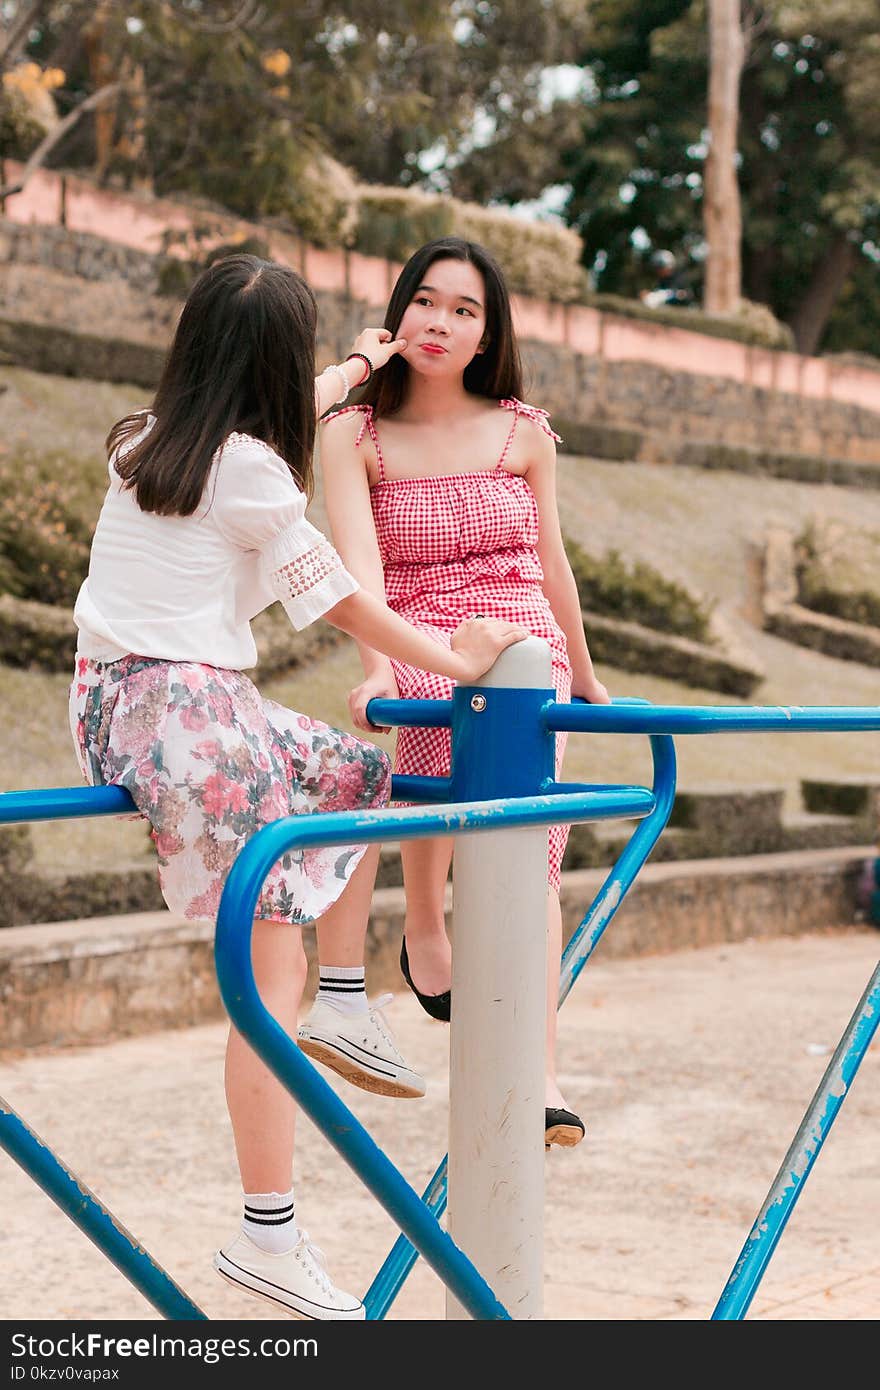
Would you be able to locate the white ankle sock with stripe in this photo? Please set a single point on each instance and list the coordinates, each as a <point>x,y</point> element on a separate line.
<point>343,986</point>
<point>268,1221</point>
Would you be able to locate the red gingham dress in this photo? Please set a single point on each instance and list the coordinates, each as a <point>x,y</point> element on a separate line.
<point>453,545</point>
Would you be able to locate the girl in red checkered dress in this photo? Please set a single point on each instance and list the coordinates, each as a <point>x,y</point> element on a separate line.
<point>441,493</point>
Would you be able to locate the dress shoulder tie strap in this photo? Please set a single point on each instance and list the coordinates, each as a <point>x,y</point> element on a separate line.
<point>368,424</point>
<point>539,417</point>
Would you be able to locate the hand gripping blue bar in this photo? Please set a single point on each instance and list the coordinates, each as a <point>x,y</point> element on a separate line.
<point>283,1057</point>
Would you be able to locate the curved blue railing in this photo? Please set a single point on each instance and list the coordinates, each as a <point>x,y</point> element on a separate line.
<point>26,1147</point>
<point>660,723</point>
<point>418,1217</point>
<point>281,1054</point>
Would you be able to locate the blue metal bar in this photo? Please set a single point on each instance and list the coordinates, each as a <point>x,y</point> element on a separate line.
<point>411,714</point>
<point>400,1259</point>
<point>811,1135</point>
<point>232,948</point>
<point>403,1255</point>
<point>623,716</point>
<point>583,940</point>
<point>407,787</point>
<point>22,1144</point>
<point>707,719</point>
<point>631,716</point>
<point>552,788</point>
<point>64,803</point>
<point>81,1205</point>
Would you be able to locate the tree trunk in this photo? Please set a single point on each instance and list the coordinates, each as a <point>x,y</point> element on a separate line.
<point>722,215</point>
<point>101,72</point>
<point>829,277</point>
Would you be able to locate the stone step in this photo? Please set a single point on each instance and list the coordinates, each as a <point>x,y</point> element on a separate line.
<point>92,979</point>
<point>807,831</point>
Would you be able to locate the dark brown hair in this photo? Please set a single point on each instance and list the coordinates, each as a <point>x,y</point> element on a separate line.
<point>496,372</point>
<point>242,358</point>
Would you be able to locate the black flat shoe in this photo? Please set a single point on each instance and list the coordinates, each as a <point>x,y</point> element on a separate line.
<point>439,1006</point>
<point>562,1127</point>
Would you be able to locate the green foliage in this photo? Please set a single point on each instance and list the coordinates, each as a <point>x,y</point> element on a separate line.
<point>754,323</point>
<point>19,130</point>
<point>637,593</point>
<point>247,105</point>
<point>178,273</point>
<point>538,258</point>
<point>837,572</point>
<point>394,222</point>
<point>275,111</point>
<point>48,506</point>
<point>808,141</point>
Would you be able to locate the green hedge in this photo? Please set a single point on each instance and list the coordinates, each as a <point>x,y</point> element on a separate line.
<point>590,439</point>
<point>539,258</point>
<point>59,351</point>
<point>48,506</point>
<point>637,594</point>
<point>838,575</point>
<point>754,324</point>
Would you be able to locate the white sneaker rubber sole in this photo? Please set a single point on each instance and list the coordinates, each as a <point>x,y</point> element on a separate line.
<point>291,1304</point>
<point>361,1068</point>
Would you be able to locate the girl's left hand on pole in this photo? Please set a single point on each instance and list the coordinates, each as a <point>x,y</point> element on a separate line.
<point>478,641</point>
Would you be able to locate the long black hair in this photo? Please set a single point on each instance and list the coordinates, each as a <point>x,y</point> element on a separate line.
<point>496,372</point>
<point>242,359</point>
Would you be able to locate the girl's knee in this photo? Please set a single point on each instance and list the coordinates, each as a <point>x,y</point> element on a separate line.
<point>278,957</point>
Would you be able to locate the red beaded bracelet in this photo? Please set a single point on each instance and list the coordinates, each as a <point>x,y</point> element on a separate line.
<point>367,363</point>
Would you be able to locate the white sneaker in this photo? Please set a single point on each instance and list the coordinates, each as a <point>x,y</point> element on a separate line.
<point>296,1281</point>
<point>360,1047</point>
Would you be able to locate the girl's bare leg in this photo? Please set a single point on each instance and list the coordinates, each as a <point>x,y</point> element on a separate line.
<point>425,871</point>
<point>262,1111</point>
<point>342,931</point>
<point>553,1095</point>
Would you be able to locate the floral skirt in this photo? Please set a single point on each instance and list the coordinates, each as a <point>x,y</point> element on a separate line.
<point>208,761</point>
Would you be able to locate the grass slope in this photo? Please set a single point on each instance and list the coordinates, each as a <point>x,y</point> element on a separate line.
<point>701,529</point>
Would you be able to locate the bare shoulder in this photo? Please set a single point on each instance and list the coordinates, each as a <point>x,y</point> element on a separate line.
<point>345,446</point>
<point>343,426</point>
<point>535,439</point>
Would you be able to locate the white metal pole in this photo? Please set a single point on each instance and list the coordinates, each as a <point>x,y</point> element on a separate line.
<point>497,1037</point>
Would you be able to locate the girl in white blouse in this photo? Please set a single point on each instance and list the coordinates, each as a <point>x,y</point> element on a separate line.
<point>203,526</point>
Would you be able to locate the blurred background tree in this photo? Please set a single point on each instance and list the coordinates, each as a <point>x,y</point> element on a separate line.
<point>235,102</point>
<point>593,111</point>
<point>809,153</point>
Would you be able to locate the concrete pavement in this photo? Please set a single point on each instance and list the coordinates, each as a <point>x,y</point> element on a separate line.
<point>692,1070</point>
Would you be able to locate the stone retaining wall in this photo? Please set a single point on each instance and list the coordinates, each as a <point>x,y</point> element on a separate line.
<point>85,982</point>
<point>608,371</point>
<point>705,823</point>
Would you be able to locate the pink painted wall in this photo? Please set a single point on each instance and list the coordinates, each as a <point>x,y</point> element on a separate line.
<point>139,221</point>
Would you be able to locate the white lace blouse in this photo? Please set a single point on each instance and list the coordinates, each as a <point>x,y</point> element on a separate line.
<point>185,588</point>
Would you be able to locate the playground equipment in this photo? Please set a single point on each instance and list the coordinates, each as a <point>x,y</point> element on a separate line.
<point>498,800</point>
